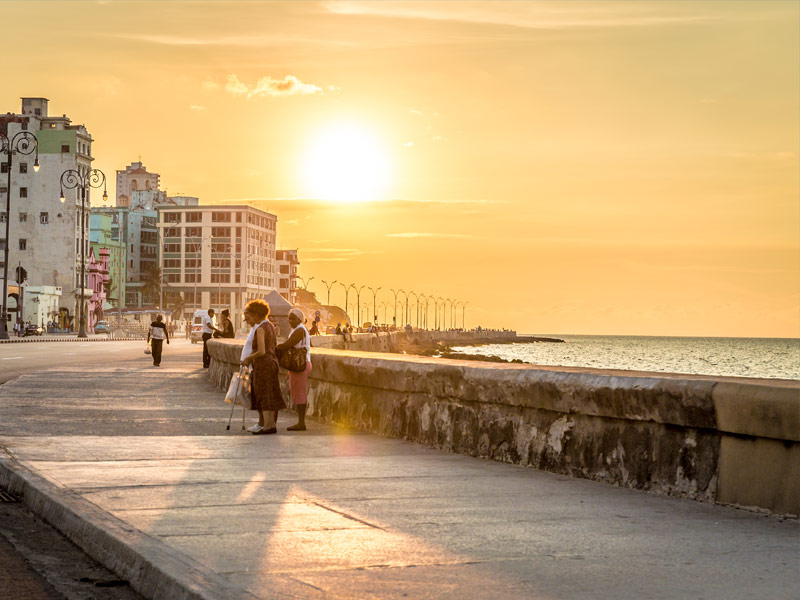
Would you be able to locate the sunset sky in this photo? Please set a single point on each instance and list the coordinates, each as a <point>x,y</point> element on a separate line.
<point>566,167</point>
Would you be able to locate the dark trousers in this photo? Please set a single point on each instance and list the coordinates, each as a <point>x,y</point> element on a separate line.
<point>206,355</point>
<point>157,346</point>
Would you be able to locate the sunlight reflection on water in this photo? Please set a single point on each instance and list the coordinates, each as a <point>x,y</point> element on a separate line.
<point>739,357</point>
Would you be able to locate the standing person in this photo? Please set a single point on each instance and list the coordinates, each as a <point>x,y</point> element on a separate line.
<point>298,382</point>
<point>208,330</point>
<point>259,351</point>
<point>157,333</point>
<point>188,329</point>
<point>225,325</point>
<point>314,329</point>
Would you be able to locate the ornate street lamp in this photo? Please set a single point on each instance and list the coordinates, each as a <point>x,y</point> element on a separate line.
<point>23,142</point>
<point>305,282</point>
<point>74,179</point>
<point>463,309</point>
<point>425,313</point>
<point>329,286</point>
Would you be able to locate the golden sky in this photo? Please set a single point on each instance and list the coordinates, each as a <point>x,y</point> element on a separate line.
<point>566,167</point>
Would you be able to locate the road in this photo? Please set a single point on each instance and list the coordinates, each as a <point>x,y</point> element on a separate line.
<point>25,357</point>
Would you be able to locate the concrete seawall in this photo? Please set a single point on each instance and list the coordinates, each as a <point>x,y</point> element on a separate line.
<point>726,440</point>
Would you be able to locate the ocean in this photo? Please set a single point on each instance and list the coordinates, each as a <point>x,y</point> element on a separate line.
<point>774,358</point>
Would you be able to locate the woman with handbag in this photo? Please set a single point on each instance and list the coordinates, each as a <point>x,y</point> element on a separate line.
<point>298,344</point>
<point>259,351</point>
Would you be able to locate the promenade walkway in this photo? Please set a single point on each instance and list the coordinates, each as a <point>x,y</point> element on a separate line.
<point>135,465</point>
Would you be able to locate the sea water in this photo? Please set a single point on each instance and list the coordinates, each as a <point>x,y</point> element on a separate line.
<point>776,358</point>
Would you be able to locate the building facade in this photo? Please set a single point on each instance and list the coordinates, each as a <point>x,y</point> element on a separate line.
<point>216,257</point>
<point>136,178</point>
<point>287,274</point>
<point>45,233</point>
<point>104,233</point>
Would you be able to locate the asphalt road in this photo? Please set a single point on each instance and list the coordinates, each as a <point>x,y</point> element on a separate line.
<point>24,357</point>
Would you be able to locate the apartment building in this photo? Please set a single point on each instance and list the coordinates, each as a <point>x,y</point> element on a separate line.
<point>45,233</point>
<point>216,256</point>
<point>287,274</point>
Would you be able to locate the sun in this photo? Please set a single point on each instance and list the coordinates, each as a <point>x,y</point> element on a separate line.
<point>346,163</point>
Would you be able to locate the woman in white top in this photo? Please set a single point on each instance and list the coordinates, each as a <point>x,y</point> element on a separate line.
<point>298,382</point>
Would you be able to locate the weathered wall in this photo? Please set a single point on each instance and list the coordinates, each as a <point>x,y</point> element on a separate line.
<point>726,440</point>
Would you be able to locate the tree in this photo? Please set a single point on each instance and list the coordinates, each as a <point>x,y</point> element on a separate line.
<point>151,285</point>
<point>176,305</point>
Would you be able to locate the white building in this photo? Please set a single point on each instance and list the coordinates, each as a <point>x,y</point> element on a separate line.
<point>287,274</point>
<point>216,256</point>
<point>44,233</point>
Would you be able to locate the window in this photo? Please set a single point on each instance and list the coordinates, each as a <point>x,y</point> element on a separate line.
<point>37,112</point>
<point>190,277</point>
<point>173,277</point>
<point>23,244</point>
<point>23,192</point>
<point>194,231</point>
<point>176,248</point>
<point>194,217</point>
<point>221,232</point>
<point>2,217</point>
<point>44,218</point>
<point>65,148</point>
<point>4,167</point>
<point>23,217</point>
<point>172,217</point>
<point>3,190</point>
<point>24,126</point>
<point>23,167</point>
<point>221,217</point>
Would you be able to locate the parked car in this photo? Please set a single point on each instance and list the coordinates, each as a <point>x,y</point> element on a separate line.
<point>101,327</point>
<point>33,330</point>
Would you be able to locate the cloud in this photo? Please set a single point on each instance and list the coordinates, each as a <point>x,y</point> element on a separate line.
<point>267,86</point>
<point>439,138</point>
<point>210,86</point>
<point>408,144</point>
<point>414,111</point>
<point>526,15</point>
<point>196,107</point>
<point>429,235</point>
<point>233,40</point>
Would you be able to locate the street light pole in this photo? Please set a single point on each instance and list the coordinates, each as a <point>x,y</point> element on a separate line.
<point>358,305</point>
<point>424,314</point>
<point>416,303</point>
<point>374,301</point>
<point>346,296</point>
<point>463,310</point>
<point>23,142</point>
<point>395,292</point>
<point>329,286</point>
<point>74,179</point>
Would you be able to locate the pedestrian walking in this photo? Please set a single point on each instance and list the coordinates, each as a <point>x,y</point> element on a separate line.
<point>259,354</point>
<point>156,335</point>
<point>209,328</point>
<point>298,382</point>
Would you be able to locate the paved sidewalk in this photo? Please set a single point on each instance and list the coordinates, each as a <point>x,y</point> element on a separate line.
<point>143,474</point>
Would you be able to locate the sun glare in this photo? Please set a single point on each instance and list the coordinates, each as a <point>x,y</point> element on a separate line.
<point>346,164</point>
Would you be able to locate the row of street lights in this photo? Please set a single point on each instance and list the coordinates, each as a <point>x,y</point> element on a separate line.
<point>419,300</point>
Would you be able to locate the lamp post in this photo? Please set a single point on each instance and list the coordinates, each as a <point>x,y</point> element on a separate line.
<point>425,313</point>
<point>385,305</point>
<point>23,142</point>
<point>441,317</point>
<point>83,181</point>
<point>463,310</point>
<point>395,292</point>
<point>416,304</point>
<point>374,301</point>
<point>346,296</point>
<point>358,304</point>
<point>329,286</point>
<point>305,282</point>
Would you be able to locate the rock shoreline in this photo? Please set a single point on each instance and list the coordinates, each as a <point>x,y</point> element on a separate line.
<point>443,350</point>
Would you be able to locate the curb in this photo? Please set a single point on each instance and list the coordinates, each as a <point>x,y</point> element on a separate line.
<point>153,569</point>
<point>24,341</point>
